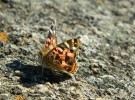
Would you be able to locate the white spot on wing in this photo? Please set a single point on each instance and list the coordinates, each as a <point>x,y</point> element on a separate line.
<point>67,45</point>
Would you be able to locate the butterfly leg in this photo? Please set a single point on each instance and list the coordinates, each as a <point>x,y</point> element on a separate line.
<point>73,77</point>
<point>42,71</point>
<point>55,73</point>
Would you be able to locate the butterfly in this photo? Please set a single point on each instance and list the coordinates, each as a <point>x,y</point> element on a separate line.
<point>59,57</point>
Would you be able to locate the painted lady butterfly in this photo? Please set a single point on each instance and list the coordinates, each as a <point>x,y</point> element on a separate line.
<point>59,57</point>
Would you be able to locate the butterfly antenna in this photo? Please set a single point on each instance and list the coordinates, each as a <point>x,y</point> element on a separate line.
<point>63,38</point>
<point>38,44</point>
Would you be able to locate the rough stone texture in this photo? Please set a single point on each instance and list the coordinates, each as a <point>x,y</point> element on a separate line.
<point>106,60</point>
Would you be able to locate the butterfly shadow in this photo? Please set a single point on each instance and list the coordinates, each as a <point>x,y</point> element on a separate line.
<point>31,75</point>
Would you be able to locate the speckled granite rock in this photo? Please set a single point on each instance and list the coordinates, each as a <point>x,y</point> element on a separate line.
<point>106,60</point>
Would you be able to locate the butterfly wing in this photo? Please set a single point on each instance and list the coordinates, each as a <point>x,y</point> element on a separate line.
<point>72,44</point>
<point>62,57</point>
<point>51,40</point>
<point>50,43</point>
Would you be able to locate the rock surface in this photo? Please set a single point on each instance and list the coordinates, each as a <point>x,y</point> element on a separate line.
<point>106,60</point>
